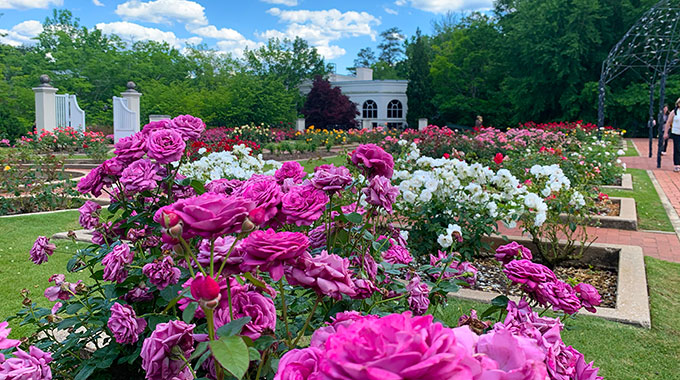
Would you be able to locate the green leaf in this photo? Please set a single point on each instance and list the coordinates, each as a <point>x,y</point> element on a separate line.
<point>232,353</point>
<point>492,309</point>
<point>254,354</point>
<point>85,372</point>
<point>233,328</point>
<point>254,281</point>
<point>354,217</point>
<point>188,313</point>
<point>73,308</point>
<point>500,301</point>
<point>198,186</point>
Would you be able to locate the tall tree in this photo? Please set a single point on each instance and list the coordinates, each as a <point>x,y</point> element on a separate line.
<point>327,106</point>
<point>391,46</point>
<point>419,90</point>
<point>365,58</point>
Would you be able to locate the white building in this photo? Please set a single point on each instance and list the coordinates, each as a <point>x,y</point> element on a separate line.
<point>379,102</point>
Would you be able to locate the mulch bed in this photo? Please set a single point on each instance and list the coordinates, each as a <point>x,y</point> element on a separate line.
<point>609,208</point>
<point>491,278</point>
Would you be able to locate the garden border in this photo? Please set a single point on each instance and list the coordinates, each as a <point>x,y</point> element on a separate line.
<point>626,183</point>
<point>101,202</point>
<point>626,220</point>
<point>632,297</point>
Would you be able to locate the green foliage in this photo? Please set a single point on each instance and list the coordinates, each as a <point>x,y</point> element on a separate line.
<point>419,90</point>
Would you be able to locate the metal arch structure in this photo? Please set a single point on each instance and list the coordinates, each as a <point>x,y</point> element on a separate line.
<point>650,49</point>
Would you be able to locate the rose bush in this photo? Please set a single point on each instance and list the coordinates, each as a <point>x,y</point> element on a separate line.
<point>212,276</point>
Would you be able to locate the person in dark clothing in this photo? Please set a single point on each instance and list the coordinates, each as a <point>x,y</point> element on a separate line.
<point>663,115</point>
<point>672,129</point>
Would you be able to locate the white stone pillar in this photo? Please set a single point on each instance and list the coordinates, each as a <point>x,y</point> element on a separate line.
<point>132,97</point>
<point>45,107</point>
<point>367,124</point>
<point>422,124</point>
<point>300,125</point>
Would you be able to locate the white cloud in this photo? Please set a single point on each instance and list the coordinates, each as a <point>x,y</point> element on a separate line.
<point>237,47</point>
<point>163,12</point>
<point>21,33</point>
<point>211,31</point>
<point>321,28</point>
<point>97,3</point>
<point>132,32</point>
<point>290,3</point>
<point>390,11</point>
<point>29,4</point>
<point>443,6</point>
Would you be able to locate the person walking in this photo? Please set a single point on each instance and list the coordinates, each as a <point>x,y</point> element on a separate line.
<point>663,115</point>
<point>673,129</point>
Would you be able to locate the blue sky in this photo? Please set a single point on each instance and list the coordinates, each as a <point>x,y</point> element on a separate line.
<point>337,28</point>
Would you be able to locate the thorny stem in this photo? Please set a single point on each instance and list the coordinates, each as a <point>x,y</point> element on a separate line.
<point>309,318</point>
<point>285,312</point>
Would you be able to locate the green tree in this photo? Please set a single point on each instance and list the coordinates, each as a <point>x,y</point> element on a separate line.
<point>419,90</point>
<point>391,49</point>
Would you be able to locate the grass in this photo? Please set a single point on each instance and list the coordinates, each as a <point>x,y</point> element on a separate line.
<point>651,214</point>
<point>630,149</point>
<point>17,270</point>
<point>311,163</point>
<point>623,352</point>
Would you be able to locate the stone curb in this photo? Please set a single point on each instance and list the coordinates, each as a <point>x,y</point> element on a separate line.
<point>626,220</point>
<point>670,210</point>
<point>84,236</point>
<point>632,299</point>
<point>626,183</point>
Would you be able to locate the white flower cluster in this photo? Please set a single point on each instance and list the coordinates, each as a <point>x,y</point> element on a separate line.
<point>463,186</point>
<point>236,164</point>
<point>556,180</point>
<point>446,240</point>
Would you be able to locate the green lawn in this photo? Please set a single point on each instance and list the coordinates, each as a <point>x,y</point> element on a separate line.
<point>314,162</point>
<point>17,270</point>
<point>630,149</point>
<point>651,214</point>
<point>623,352</point>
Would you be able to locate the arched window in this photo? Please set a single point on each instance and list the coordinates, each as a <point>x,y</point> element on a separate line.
<point>395,110</point>
<point>369,110</point>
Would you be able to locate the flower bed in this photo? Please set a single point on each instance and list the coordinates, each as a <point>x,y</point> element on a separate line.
<point>202,277</point>
<point>67,140</point>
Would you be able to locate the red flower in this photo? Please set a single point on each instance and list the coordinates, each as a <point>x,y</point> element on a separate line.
<point>446,155</point>
<point>498,159</point>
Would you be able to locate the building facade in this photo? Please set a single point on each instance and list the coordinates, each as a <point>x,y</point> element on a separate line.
<point>379,102</point>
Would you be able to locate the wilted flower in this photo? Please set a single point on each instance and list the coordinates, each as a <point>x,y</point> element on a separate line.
<point>327,274</point>
<point>162,272</point>
<point>124,324</point>
<point>160,351</point>
<point>115,261</point>
<point>61,290</point>
<point>418,297</point>
<point>42,248</point>
<point>380,192</point>
<point>89,217</point>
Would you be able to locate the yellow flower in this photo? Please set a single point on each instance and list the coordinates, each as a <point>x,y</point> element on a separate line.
<point>7,167</point>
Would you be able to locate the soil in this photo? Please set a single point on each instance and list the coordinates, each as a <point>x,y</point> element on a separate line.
<point>491,278</point>
<point>609,208</point>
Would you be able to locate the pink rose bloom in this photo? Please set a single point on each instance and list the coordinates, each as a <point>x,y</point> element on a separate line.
<point>331,179</point>
<point>138,294</point>
<point>418,297</point>
<point>589,296</point>
<point>363,288</point>
<point>299,365</point>
<point>89,215</point>
<point>124,324</point>
<point>92,183</point>
<point>514,357</point>
<point>212,215</point>
<point>373,160</point>
<point>162,272</point>
<point>61,290</point>
<point>327,274</point>
<point>159,351</point>
<point>6,343</point>
<point>42,248</point>
<point>317,236</point>
<point>165,146</point>
<point>397,346</point>
<point>380,192</point>
<point>155,126</point>
<point>303,205</point>
<point>397,254</point>
<point>509,252</point>
<point>585,371</point>
<point>290,170</point>
<point>131,148</point>
<point>251,304</point>
<point>112,167</point>
<point>270,250</point>
<point>528,273</point>
<point>141,175</point>
<point>115,261</point>
<point>188,126</point>
<point>220,251</point>
<point>266,195</point>
<point>224,186</point>
<point>31,365</point>
<point>559,294</point>
<point>370,267</point>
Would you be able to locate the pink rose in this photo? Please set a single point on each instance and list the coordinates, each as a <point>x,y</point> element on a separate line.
<point>299,365</point>
<point>331,179</point>
<point>141,175</point>
<point>290,170</point>
<point>373,160</point>
<point>380,192</point>
<point>270,250</point>
<point>255,305</point>
<point>212,215</point>
<point>326,274</point>
<point>303,205</point>
<point>165,146</point>
<point>509,252</point>
<point>131,148</point>
<point>188,126</point>
<point>589,296</point>
<point>124,324</point>
<point>159,351</point>
<point>528,273</point>
<point>265,195</point>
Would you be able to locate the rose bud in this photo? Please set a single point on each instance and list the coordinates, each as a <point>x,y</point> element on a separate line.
<point>169,219</point>
<point>204,288</point>
<point>176,231</point>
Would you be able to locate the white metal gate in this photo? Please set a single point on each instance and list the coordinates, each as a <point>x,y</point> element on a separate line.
<point>68,113</point>
<point>125,121</point>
